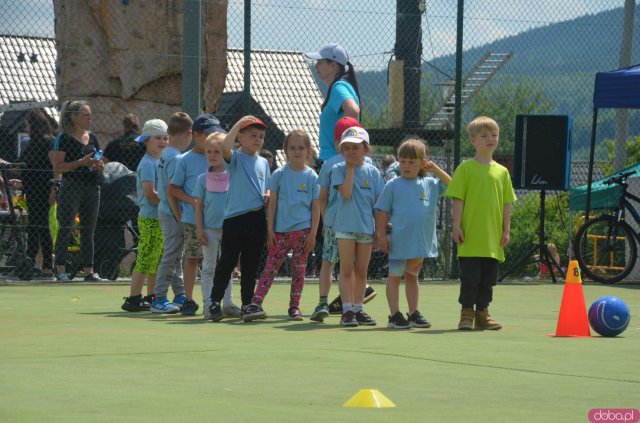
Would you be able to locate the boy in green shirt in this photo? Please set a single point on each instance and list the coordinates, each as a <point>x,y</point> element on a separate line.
<point>482,194</point>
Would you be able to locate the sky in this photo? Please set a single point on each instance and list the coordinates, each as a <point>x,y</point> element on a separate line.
<point>365,28</point>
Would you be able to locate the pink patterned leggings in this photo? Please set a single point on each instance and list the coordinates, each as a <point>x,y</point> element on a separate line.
<point>285,242</point>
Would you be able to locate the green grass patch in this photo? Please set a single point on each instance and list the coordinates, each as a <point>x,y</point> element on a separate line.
<point>69,354</point>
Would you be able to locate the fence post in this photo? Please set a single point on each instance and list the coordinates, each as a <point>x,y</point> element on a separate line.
<point>191,57</point>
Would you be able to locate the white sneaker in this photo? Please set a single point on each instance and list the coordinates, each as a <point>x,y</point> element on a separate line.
<point>232,310</point>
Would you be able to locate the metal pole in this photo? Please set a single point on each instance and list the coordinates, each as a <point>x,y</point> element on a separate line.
<point>457,120</point>
<point>246,94</point>
<point>408,48</point>
<point>622,115</point>
<point>191,57</point>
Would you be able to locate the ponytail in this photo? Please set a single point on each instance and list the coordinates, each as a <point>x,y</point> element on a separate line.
<point>68,109</point>
<point>348,74</point>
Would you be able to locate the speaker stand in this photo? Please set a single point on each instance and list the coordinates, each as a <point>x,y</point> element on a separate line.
<point>544,255</point>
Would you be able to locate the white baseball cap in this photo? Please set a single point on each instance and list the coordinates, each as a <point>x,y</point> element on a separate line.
<point>152,128</point>
<point>334,52</point>
<point>354,135</point>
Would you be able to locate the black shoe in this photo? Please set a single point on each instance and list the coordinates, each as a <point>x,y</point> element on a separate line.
<point>135,303</point>
<point>320,313</point>
<point>348,319</point>
<point>216,312</point>
<point>397,321</point>
<point>417,320</point>
<point>252,312</point>
<point>189,308</point>
<point>364,319</point>
<point>369,294</point>
<point>335,307</point>
<point>148,299</point>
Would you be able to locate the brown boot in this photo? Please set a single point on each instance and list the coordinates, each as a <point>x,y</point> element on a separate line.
<point>485,321</point>
<point>466,319</point>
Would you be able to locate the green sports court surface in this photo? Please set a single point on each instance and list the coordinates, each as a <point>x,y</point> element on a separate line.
<point>69,354</point>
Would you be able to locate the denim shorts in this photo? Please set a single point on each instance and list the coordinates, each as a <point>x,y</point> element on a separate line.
<point>359,237</point>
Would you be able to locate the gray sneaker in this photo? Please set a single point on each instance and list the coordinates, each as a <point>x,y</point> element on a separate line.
<point>232,310</point>
<point>63,277</point>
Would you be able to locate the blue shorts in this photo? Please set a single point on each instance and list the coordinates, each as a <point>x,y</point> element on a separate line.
<point>398,267</point>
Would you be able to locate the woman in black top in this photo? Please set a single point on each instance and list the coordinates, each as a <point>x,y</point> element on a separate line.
<point>80,190</point>
<point>35,182</point>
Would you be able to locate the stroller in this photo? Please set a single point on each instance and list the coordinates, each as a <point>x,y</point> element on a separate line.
<point>116,233</point>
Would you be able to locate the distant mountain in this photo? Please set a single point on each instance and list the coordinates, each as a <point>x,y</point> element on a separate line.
<point>562,58</point>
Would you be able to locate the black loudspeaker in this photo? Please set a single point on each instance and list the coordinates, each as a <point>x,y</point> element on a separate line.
<point>542,158</point>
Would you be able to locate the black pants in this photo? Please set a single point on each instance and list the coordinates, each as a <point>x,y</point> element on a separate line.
<point>38,234</point>
<point>478,275</point>
<point>80,198</point>
<point>242,236</point>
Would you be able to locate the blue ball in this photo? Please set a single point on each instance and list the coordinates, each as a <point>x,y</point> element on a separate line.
<point>609,316</point>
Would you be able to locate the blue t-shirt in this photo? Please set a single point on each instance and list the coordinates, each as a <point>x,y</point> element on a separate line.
<point>147,172</point>
<point>296,191</point>
<point>412,206</point>
<point>341,91</point>
<point>356,214</point>
<point>324,180</point>
<point>248,182</point>
<point>213,203</point>
<point>166,168</point>
<point>190,165</point>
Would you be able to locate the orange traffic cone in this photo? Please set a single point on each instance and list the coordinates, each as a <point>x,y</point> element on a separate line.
<point>573,320</point>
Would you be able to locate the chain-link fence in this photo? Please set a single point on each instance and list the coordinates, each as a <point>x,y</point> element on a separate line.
<point>126,57</point>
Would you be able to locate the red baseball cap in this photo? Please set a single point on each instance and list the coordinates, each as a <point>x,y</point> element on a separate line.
<point>255,122</point>
<point>342,125</point>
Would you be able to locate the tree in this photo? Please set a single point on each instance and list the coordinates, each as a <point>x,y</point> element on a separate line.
<point>502,100</point>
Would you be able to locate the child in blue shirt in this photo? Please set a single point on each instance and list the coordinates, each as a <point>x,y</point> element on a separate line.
<point>211,194</point>
<point>292,222</point>
<point>328,203</point>
<point>154,135</point>
<point>409,203</point>
<point>170,216</point>
<point>359,184</point>
<point>245,224</point>
<point>190,165</point>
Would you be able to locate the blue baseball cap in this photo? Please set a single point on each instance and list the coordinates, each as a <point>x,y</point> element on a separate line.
<point>207,124</point>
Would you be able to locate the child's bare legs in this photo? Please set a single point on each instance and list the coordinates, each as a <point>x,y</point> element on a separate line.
<point>393,293</point>
<point>325,278</point>
<point>412,288</point>
<point>347,251</point>
<point>189,275</point>
<point>137,282</point>
<point>361,265</point>
<point>151,284</point>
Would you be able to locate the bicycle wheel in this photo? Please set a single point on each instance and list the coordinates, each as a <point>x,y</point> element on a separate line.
<point>606,249</point>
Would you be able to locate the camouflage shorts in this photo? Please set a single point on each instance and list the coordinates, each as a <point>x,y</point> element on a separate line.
<point>192,246</point>
<point>330,246</point>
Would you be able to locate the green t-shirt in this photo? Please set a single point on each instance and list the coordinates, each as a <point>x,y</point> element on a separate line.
<point>484,190</point>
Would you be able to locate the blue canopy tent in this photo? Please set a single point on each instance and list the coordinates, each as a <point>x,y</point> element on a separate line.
<point>618,89</point>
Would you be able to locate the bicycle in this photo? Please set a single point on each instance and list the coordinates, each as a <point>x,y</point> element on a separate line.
<point>606,247</point>
<point>13,234</point>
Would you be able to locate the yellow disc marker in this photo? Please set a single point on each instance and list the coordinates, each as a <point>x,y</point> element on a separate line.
<point>369,398</point>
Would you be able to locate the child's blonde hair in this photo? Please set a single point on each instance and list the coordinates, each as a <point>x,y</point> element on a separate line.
<point>414,148</point>
<point>481,123</point>
<point>306,139</point>
<point>215,140</point>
